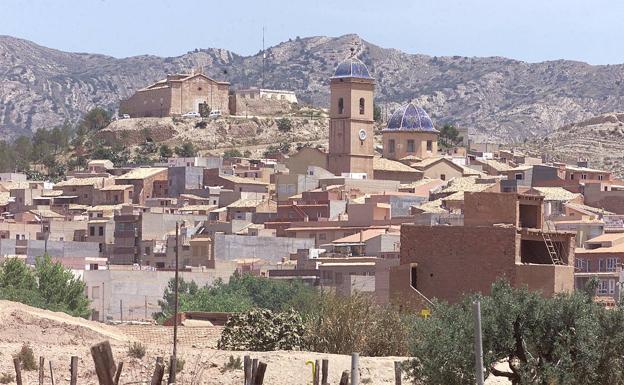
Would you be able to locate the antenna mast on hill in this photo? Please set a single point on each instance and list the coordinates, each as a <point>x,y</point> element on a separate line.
<point>263,56</point>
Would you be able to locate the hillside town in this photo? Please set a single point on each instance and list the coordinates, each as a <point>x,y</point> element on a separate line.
<point>321,211</point>
<point>404,223</point>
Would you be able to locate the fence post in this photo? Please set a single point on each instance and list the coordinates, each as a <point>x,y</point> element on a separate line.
<point>159,372</point>
<point>254,370</point>
<point>355,369</point>
<point>104,363</point>
<point>325,372</point>
<point>41,370</point>
<point>51,372</point>
<point>259,375</point>
<point>18,371</point>
<point>478,346</point>
<point>344,379</point>
<point>73,371</point>
<point>118,372</point>
<point>397,373</point>
<point>317,372</point>
<point>247,370</point>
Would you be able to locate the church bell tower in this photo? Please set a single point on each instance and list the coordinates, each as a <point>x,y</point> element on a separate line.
<point>351,119</point>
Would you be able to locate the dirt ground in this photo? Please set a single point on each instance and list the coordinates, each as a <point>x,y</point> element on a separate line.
<point>57,337</point>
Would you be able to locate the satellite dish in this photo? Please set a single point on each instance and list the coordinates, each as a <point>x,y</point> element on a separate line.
<point>362,134</point>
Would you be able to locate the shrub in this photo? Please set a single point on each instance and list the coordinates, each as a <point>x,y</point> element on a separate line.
<point>263,330</point>
<point>342,325</point>
<point>284,124</point>
<point>136,350</point>
<point>27,358</point>
<point>232,364</point>
<point>6,378</point>
<point>233,153</point>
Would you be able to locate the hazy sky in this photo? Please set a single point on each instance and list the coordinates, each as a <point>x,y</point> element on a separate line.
<point>532,30</point>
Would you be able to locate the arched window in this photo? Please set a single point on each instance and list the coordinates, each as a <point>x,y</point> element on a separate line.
<point>361,106</point>
<point>340,106</point>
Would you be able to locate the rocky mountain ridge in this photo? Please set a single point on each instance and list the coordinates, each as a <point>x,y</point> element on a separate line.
<point>495,98</point>
<point>600,140</point>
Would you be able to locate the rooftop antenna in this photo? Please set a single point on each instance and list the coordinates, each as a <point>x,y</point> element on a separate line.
<point>263,56</point>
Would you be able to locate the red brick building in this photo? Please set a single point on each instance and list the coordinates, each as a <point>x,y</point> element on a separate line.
<point>501,237</point>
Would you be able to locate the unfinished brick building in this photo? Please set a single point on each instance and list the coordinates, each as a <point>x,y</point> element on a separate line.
<point>501,237</point>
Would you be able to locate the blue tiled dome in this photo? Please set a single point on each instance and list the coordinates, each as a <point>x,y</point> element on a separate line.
<point>410,117</point>
<point>352,68</point>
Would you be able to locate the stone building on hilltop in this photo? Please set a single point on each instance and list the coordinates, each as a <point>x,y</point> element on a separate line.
<point>176,95</point>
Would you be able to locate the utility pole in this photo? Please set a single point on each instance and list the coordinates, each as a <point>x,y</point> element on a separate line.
<point>174,360</point>
<point>263,57</point>
<point>478,346</point>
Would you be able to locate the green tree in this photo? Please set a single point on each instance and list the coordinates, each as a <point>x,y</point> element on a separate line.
<point>240,293</point>
<point>567,339</point>
<point>449,136</point>
<point>232,153</point>
<point>49,286</point>
<point>60,289</point>
<point>96,119</point>
<point>165,151</point>
<point>284,124</point>
<point>187,150</point>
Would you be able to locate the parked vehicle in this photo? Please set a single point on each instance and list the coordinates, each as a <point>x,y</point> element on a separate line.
<point>214,114</point>
<point>125,116</point>
<point>191,114</point>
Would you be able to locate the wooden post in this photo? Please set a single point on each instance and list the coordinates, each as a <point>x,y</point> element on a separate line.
<point>254,369</point>
<point>41,370</point>
<point>159,372</point>
<point>118,373</point>
<point>317,372</point>
<point>344,379</point>
<point>247,370</point>
<point>104,363</point>
<point>18,371</point>
<point>73,371</point>
<point>51,372</point>
<point>397,373</point>
<point>121,310</point>
<point>324,372</point>
<point>355,369</point>
<point>259,375</point>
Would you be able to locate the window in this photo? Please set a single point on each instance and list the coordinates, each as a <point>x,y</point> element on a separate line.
<point>429,145</point>
<point>101,231</point>
<point>340,106</point>
<point>411,147</point>
<point>391,145</point>
<point>101,247</point>
<point>443,176</point>
<point>600,177</point>
<point>147,251</point>
<point>95,292</point>
<point>583,176</point>
<point>519,176</point>
<point>606,286</point>
<point>571,176</point>
<point>581,265</point>
<point>92,231</point>
<point>160,265</point>
<point>413,277</point>
<point>322,236</point>
<point>612,263</point>
<point>361,106</point>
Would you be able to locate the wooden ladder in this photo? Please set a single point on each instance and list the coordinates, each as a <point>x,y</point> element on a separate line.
<point>550,246</point>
